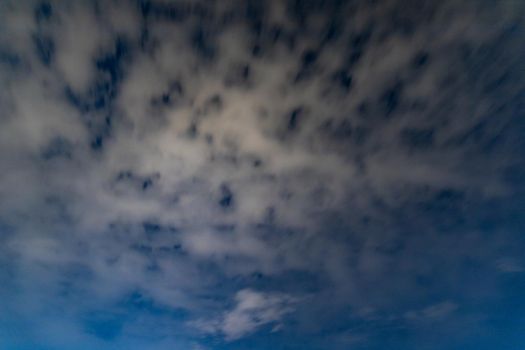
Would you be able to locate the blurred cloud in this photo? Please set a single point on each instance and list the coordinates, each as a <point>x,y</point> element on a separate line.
<point>509,265</point>
<point>433,312</point>
<point>252,310</point>
<point>161,159</point>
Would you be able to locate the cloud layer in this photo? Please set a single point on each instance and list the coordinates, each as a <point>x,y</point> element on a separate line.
<point>195,174</point>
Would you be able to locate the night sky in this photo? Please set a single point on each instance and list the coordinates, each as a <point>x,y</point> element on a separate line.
<point>265,175</point>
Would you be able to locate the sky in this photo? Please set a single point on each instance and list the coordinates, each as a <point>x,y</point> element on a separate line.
<point>314,175</point>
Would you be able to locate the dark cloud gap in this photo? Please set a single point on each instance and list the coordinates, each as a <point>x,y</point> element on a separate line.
<point>97,103</point>
<point>227,199</point>
<point>339,130</point>
<point>170,98</point>
<point>417,139</point>
<point>43,12</point>
<point>159,10</point>
<point>344,79</point>
<point>9,58</point>
<point>113,62</point>
<point>294,118</point>
<point>142,182</point>
<point>358,43</point>
<point>58,148</point>
<point>239,76</point>
<point>420,59</point>
<point>45,48</point>
<point>213,104</point>
<point>390,99</point>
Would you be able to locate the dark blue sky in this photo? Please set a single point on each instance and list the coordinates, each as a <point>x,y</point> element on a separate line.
<point>314,174</point>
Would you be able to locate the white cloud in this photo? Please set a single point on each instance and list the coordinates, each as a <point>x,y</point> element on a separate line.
<point>509,265</point>
<point>433,312</point>
<point>252,311</point>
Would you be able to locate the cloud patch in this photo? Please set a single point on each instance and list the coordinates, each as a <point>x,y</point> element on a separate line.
<point>252,311</point>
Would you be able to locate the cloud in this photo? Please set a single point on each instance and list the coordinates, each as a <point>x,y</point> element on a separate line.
<point>175,150</point>
<point>434,312</point>
<point>252,311</point>
<point>509,265</point>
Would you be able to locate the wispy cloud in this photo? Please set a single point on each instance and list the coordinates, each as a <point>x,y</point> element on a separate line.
<point>252,311</point>
<point>433,312</point>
